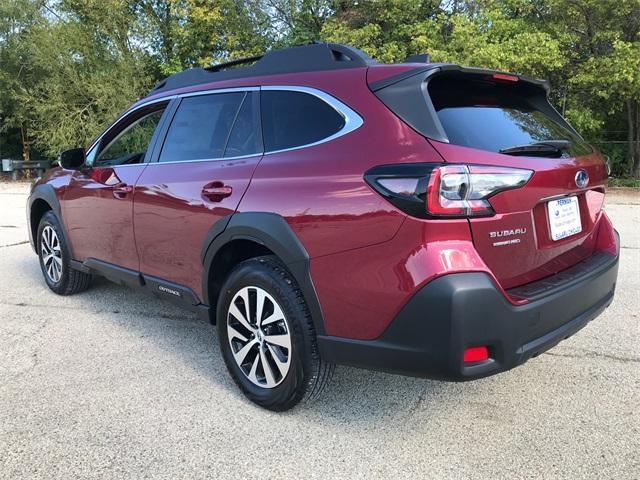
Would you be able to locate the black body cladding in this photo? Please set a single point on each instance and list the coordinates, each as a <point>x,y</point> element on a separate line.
<point>273,232</point>
<point>429,334</point>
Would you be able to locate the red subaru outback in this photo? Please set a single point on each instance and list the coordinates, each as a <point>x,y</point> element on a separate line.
<point>321,208</point>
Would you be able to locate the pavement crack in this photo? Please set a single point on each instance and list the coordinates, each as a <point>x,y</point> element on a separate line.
<point>37,305</point>
<point>592,354</point>
<point>166,316</point>
<point>421,398</point>
<point>34,342</point>
<point>14,244</point>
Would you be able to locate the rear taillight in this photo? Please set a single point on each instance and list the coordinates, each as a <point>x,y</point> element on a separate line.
<point>427,190</point>
<point>463,190</point>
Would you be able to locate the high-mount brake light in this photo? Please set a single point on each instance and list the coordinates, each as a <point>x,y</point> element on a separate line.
<point>505,77</point>
<point>447,191</point>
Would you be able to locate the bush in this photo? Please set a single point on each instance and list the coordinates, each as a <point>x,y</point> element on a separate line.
<point>617,154</point>
<point>624,182</point>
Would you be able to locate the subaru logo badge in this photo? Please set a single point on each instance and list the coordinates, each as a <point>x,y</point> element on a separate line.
<point>582,178</point>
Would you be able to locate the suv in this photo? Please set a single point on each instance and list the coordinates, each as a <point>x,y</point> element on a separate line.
<point>420,218</point>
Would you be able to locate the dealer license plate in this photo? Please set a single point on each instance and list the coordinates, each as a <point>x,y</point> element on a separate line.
<point>564,217</point>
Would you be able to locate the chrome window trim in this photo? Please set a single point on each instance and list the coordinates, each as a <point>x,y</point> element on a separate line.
<point>126,129</point>
<point>220,90</point>
<point>352,121</point>
<point>168,98</point>
<point>198,160</point>
<point>129,111</point>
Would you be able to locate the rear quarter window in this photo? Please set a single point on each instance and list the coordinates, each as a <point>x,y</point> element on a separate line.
<point>294,119</point>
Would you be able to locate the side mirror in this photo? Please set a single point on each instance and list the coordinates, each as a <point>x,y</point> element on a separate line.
<point>72,159</point>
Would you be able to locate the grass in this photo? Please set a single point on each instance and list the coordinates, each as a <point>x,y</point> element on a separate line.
<point>624,182</point>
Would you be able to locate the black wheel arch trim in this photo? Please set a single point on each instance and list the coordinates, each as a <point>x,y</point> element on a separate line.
<point>273,232</point>
<point>46,193</point>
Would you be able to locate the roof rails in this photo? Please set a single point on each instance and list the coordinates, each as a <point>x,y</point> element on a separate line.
<point>305,58</point>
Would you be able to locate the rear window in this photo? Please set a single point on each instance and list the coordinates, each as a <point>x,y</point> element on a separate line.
<point>494,116</point>
<point>294,119</point>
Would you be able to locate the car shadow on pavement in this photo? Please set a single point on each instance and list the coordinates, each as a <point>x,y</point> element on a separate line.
<point>352,395</point>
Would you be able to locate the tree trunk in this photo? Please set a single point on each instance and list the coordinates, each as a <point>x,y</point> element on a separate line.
<point>636,129</point>
<point>633,137</point>
<point>26,152</point>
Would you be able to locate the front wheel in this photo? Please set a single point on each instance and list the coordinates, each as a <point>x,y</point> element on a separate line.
<point>55,258</point>
<point>267,336</point>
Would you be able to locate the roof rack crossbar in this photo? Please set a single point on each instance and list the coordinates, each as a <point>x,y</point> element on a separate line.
<point>232,63</point>
<point>419,58</point>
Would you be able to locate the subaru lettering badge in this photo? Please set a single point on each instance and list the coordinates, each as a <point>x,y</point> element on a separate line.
<point>582,178</point>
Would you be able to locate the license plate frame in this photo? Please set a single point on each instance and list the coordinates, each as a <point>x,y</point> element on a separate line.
<point>564,217</point>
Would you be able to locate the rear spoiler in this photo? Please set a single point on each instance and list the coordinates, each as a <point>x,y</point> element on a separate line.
<point>434,68</point>
<point>407,95</point>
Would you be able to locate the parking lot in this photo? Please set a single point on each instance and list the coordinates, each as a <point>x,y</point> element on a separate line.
<point>113,384</point>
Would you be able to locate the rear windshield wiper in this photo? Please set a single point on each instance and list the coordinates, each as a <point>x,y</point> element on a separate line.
<point>539,148</point>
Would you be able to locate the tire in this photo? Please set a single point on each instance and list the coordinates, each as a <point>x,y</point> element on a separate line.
<point>293,374</point>
<point>55,258</point>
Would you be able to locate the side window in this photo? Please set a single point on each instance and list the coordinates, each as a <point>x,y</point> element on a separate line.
<point>201,126</point>
<point>130,145</point>
<point>292,119</point>
<point>245,137</point>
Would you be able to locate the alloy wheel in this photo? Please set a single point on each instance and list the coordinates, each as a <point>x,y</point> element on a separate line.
<point>259,337</point>
<point>51,254</point>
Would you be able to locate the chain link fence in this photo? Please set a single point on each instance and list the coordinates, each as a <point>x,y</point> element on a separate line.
<point>615,147</point>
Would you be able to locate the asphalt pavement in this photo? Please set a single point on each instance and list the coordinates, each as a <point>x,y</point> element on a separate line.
<point>113,384</point>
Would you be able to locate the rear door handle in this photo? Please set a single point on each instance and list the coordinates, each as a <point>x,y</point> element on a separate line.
<point>216,191</point>
<point>121,191</point>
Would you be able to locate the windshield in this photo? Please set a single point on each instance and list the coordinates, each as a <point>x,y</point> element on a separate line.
<point>492,116</point>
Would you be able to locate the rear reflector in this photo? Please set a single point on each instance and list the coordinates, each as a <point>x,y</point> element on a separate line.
<point>475,354</point>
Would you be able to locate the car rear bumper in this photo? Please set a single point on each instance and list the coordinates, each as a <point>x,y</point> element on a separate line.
<point>462,310</point>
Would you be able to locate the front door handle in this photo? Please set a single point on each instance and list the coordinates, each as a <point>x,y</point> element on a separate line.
<point>121,191</point>
<point>216,191</point>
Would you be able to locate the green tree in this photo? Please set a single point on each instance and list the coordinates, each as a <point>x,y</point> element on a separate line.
<point>68,66</point>
<point>18,73</point>
<point>188,33</point>
<point>294,22</point>
<point>89,71</point>
<point>602,41</point>
<point>390,30</point>
<point>588,49</point>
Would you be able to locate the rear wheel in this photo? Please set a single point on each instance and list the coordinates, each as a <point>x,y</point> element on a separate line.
<point>55,258</point>
<point>267,336</point>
